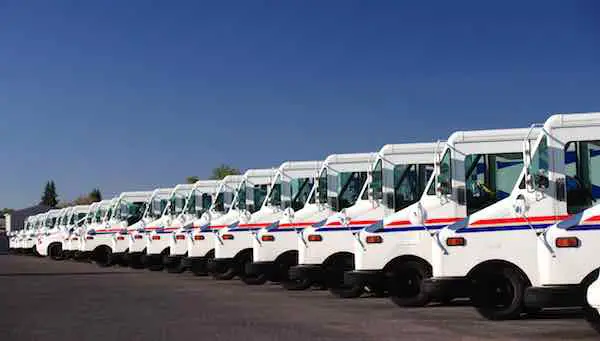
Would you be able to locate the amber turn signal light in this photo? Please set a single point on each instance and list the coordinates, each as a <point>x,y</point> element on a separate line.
<point>315,238</point>
<point>456,241</point>
<point>268,238</point>
<point>374,240</point>
<point>563,242</point>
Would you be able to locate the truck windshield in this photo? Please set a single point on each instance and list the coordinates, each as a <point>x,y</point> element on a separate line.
<point>582,171</point>
<point>259,193</point>
<point>351,184</point>
<point>409,183</point>
<point>177,204</point>
<point>275,196</point>
<point>299,190</point>
<point>490,178</point>
<point>157,207</point>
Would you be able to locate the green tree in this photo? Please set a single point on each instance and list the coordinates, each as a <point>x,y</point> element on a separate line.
<point>192,179</point>
<point>95,195</point>
<point>49,197</point>
<point>222,171</point>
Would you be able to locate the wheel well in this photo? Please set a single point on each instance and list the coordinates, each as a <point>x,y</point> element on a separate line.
<point>287,254</point>
<point>104,248</point>
<point>244,253</point>
<point>338,255</point>
<point>495,264</point>
<point>52,245</point>
<point>592,276</point>
<point>407,258</point>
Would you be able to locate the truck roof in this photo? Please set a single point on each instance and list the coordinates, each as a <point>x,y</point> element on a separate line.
<point>491,135</point>
<point>572,120</point>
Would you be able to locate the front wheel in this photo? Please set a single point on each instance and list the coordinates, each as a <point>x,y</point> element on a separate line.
<point>251,279</point>
<point>498,294</point>
<point>334,278</point>
<point>404,282</point>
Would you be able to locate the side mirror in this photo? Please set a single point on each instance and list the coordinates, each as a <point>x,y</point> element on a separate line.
<point>520,206</point>
<point>442,186</point>
<point>541,181</point>
<point>416,215</point>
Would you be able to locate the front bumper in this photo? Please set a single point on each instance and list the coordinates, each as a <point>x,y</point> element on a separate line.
<point>219,265</point>
<point>362,278</point>
<point>447,287</point>
<point>312,272</point>
<point>555,296</point>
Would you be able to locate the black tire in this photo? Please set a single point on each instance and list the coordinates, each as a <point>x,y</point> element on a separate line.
<point>296,285</point>
<point>243,260</point>
<point>103,256</point>
<point>175,266</point>
<point>226,275</point>
<point>498,293</point>
<point>334,277</point>
<point>404,283</point>
<point>135,262</point>
<point>55,251</point>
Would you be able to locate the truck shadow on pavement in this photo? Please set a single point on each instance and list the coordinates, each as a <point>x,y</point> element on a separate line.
<point>59,274</point>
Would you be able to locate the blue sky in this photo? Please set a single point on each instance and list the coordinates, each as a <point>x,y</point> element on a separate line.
<point>131,95</point>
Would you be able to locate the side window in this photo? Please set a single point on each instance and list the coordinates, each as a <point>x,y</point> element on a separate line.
<point>259,195</point>
<point>538,168</point>
<point>352,184</point>
<point>582,172</point>
<point>490,178</point>
<point>377,181</point>
<point>322,187</point>
<point>445,177</point>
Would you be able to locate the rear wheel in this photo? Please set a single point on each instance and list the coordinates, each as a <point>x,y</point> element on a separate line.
<point>404,282</point>
<point>334,277</point>
<point>498,293</point>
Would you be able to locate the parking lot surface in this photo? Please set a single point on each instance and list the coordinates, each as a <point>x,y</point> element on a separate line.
<point>49,300</point>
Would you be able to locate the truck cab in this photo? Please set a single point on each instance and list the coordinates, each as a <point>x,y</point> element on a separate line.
<point>163,228</point>
<point>337,187</point>
<point>201,244</point>
<point>248,213</point>
<point>96,233</point>
<point>47,242</point>
<point>396,177</point>
<point>274,246</point>
<point>138,232</point>
<point>76,222</point>
<point>198,202</point>
<point>128,212</point>
<point>471,170</point>
<point>50,242</point>
<point>108,242</point>
<point>520,254</point>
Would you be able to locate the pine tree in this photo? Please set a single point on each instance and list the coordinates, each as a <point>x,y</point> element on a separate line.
<point>49,197</point>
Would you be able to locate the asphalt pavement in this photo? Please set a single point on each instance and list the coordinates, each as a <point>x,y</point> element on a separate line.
<point>50,300</point>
